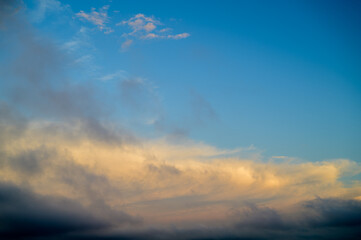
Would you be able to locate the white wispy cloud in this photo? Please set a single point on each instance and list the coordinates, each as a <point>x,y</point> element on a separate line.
<point>44,7</point>
<point>179,36</point>
<point>126,44</point>
<point>146,28</point>
<point>115,75</point>
<point>154,36</point>
<point>98,18</point>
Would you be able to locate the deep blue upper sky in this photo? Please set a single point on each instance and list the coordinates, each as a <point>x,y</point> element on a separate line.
<point>283,76</point>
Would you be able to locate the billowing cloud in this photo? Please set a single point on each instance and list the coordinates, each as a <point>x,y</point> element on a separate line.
<point>182,184</point>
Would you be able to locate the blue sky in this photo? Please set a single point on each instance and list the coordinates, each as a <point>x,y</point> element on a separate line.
<point>282,76</point>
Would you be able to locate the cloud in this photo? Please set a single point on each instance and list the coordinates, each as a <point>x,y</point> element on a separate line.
<point>140,23</point>
<point>332,212</point>
<point>25,214</point>
<point>149,27</point>
<point>126,44</point>
<point>155,36</point>
<point>116,75</point>
<point>165,30</point>
<point>184,184</point>
<point>146,28</point>
<point>179,36</point>
<point>98,18</point>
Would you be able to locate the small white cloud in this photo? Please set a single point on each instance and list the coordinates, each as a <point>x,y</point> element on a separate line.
<point>117,75</point>
<point>72,45</point>
<point>140,23</point>
<point>179,36</point>
<point>146,28</point>
<point>84,59</point>
<point>165,30</point>
<point>152,36</point>
<point>149,27</point>
<point>126,44</point>
<point>98,18</point>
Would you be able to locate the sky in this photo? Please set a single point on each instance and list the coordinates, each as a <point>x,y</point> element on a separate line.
<point>180,119</point>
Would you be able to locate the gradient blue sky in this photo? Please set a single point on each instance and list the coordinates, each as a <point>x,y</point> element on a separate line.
<point>283,76</point>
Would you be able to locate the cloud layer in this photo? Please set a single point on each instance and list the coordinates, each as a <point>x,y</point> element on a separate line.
<point>126,187</point>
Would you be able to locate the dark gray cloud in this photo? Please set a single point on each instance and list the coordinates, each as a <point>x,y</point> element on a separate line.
<point>24,214</point>
<point>328,218</point>
<point>252,216</point>
<point>336,219</point>
<point>333,212</point>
